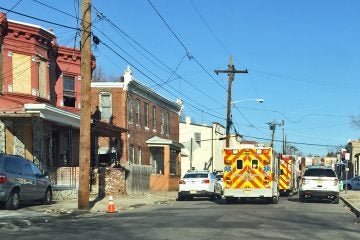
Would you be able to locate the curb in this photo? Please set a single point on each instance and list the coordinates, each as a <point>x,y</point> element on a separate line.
<point>349,204</point>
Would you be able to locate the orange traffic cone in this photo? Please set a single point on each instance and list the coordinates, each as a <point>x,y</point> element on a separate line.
<point>111,208</point>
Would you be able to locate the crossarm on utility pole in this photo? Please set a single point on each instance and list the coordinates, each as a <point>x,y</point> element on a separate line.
<point>231,73</point>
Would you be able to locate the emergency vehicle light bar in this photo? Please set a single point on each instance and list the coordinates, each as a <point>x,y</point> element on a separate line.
<point>232,151</point>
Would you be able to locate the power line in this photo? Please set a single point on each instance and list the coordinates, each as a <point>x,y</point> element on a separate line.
<point>297,143</point>
<point>152,79</point>
<point>116,27</point>
<point>14,6</point>
<point>208,27</point>
<point>167,25</point>
<point>182,44</point>
<point>39,19</point>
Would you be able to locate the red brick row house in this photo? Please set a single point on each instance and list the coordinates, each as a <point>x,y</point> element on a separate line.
<point>40,100</point>
<point>152,122</point>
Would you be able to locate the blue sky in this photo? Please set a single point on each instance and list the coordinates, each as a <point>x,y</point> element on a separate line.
<point>303,59</point>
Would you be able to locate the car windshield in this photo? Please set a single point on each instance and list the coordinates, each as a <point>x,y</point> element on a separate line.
<point>319,172</point>
<point>196,175</point>
<point>219,177</point>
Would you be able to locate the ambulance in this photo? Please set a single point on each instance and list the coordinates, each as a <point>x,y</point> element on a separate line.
<point>250,172</point>
<point>288,175</point>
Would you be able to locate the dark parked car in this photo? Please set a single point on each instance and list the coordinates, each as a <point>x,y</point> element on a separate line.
<point>21,180</point>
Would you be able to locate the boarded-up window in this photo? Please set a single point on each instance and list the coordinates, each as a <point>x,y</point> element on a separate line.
<point>42,79</point>
<point>105,104</point>
<point>9,140</point>
<point>21,73</point>
<point>28,141</point>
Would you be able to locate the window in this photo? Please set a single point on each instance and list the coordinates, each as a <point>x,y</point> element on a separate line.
<point>173,157</point>
<point>139,155</point>
<point>167,123</point>
<point>42,79</point>
<point>319,172</point>
<point>11,165</point>
<point>197,137</point>
<point>137,112</point>
<point>165,127</point>
<point>69,85</point>
<point>196,175</point>
<point>21,73</point>
<point>162,127</point>
<point>69,91</point>
<point>26,168</point>
<point>154,118</point>
<point>130,111</point>
<point>255,164</point>
<point>131,154</point>
<point>146,115</point>
<point>239,164</point>
<point>157,160</point>
<point>105,106</point>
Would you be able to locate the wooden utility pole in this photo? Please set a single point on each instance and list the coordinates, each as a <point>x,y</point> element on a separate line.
<point>85,111</point>
<point>272,126</point>
<point>283,136</point>
<point>231,73</point>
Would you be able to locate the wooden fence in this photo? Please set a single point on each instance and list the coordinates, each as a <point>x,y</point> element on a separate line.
<point>138,179</point>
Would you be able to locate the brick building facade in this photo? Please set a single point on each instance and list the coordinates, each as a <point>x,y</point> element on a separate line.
<point>152,122</point>
<point>40,99</point>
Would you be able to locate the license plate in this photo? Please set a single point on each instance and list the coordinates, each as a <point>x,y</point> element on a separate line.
<point>247,192</point>
<point>193,192</point>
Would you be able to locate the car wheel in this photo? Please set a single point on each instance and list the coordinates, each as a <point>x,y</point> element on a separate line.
<point>13,201</point>
<point>348,187</point>
<point>47,197</point>
<point>275,200</point>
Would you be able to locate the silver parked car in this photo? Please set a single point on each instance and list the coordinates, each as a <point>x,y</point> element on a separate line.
<point>199,183</point>
<point>21,180</point>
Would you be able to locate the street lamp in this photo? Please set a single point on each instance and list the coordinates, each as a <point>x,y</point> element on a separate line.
<point>259,100</point>
<point>228,118</point>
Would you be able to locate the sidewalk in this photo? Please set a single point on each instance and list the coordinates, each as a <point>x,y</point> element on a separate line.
<point>122,203</point>
<point>352,199</point>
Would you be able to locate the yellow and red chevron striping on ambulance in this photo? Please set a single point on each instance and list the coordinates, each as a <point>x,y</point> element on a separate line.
<point>248,168</point>
<point>286,172</point>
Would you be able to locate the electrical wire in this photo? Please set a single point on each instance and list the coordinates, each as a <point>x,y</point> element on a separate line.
<point>13,7</point>
<point>39,19</point>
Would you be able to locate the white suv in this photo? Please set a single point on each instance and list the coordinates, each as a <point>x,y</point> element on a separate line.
<point>319,182</point>
<point>200,183</point>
